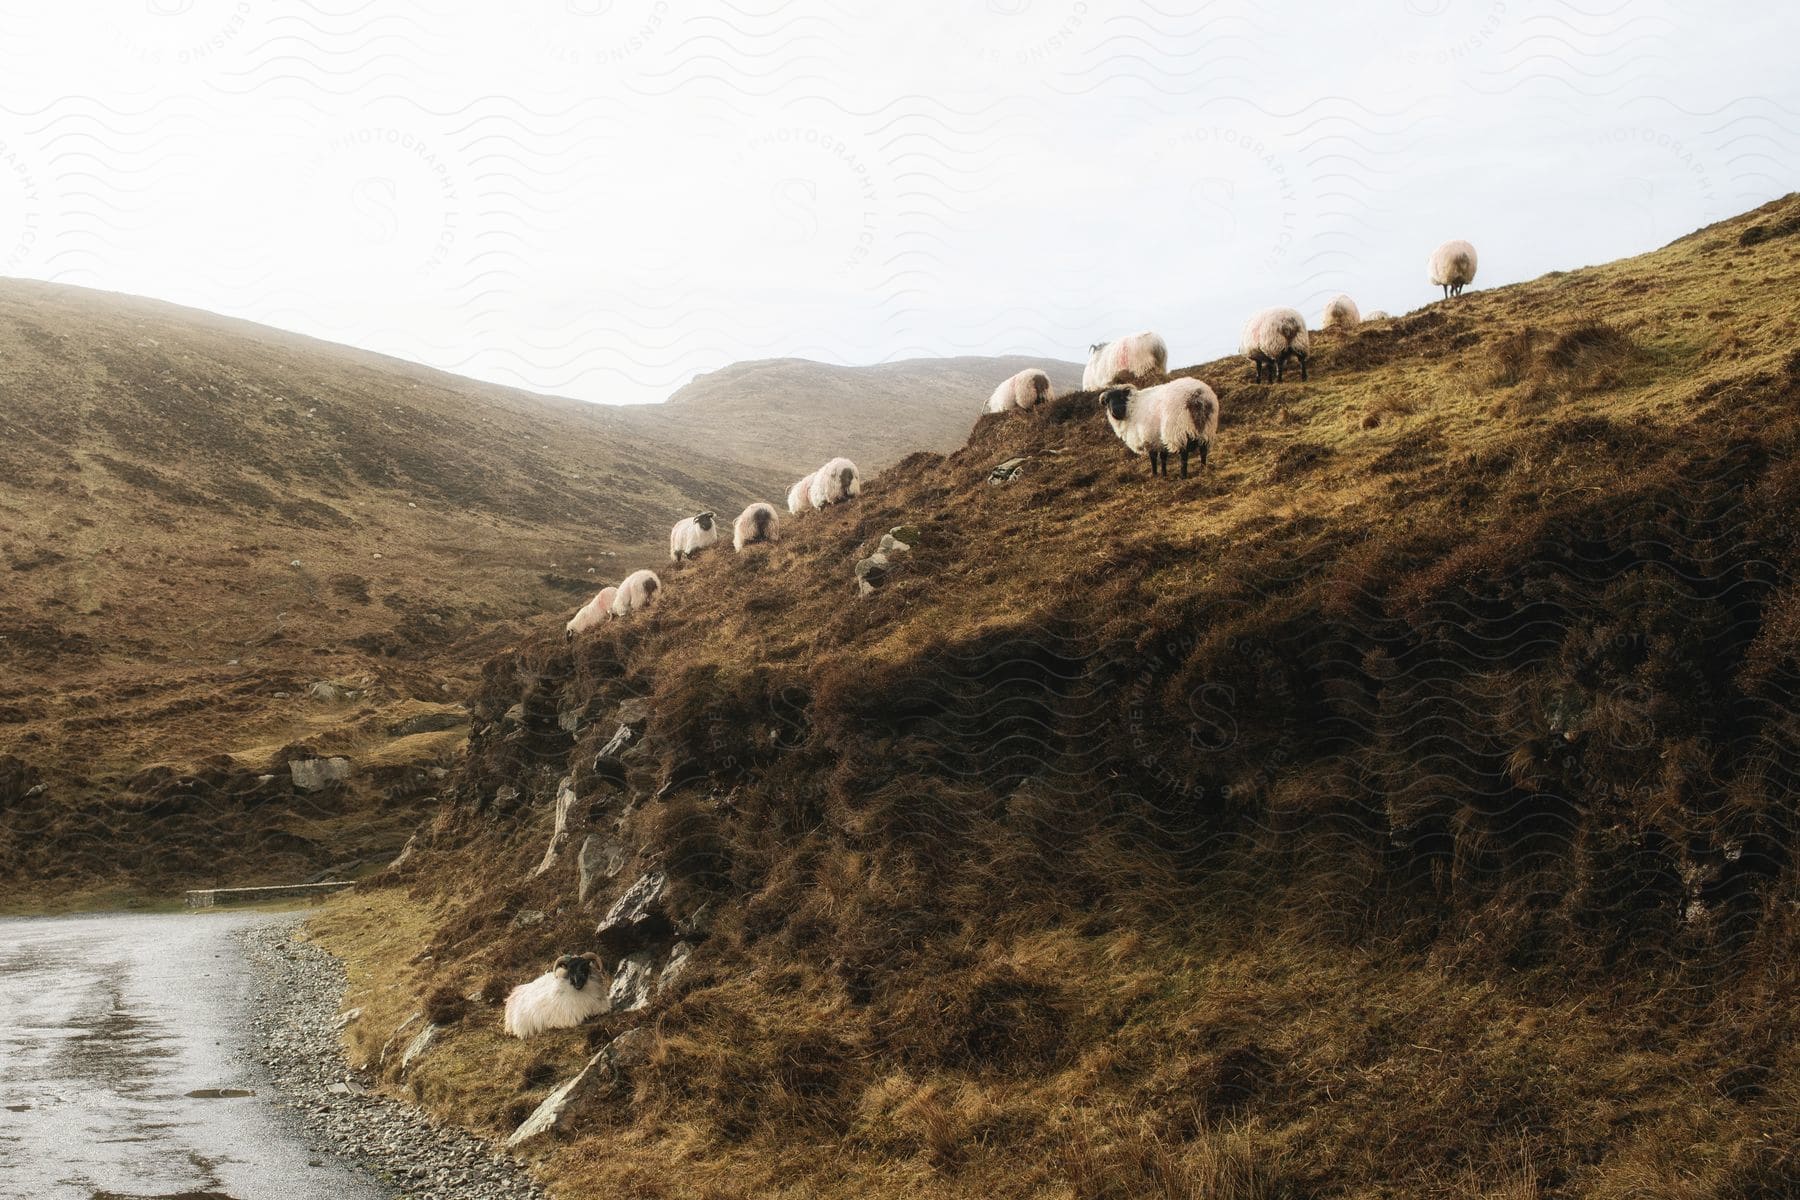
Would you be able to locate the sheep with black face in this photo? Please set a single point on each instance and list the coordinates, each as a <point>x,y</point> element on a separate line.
<point>690,535</point>
<point>562,997</point>
<point>1178,417</point>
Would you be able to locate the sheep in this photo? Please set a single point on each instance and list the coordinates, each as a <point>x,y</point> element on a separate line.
<point>1178,417</point>
<point>1273,335</point>
<point>1143,357</point>
<point>1453,267</point>
<point>592,613</point>
<point>1028,387</point>
<point>1379,314</point>
<point>800,495</point>
<point>638,590</point>
<point>557,999</point>
<point>1340,313</point>
<point>755,524</point>
<point>690,535</point>
<point>836,481</point>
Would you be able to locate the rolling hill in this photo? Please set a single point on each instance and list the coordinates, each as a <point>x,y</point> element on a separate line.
<point>1404,806</point>
<point>226,547</point>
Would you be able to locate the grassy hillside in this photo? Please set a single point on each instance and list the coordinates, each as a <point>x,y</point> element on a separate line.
<point>790,415</point>
<point>1404,807</point>
<point>226,547</point>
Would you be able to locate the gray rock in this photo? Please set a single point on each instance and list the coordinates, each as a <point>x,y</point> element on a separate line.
<point>621,738</point>
<point>634,712</point>
<point>347,1016</point>
<point>514,715</point>
<point>317,774</point>
<point>600,858</point>
<point>633,982</point>
<point>1007,471</point>
<point>559,833</point>
<point>416,1048</point>
<point>891,545</point>
<point>905,533</point>
<point>636,918</point>
<point>527,917</point>
<point>435,722</point>
<point>331,693</point>
<point>406,852</point>
<point>679,956</point>
<point>388,1046</point>
<point>600,1078</point>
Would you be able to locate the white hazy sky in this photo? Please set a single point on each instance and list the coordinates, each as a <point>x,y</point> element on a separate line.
<point>600,198</point>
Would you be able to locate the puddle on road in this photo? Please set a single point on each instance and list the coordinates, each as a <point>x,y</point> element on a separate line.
<point>219,1093</point>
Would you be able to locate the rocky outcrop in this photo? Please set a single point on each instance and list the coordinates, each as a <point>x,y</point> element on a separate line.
<point>637,918</point>
<point>317,774</point>
<point>559,834</point>
<point>603,1077</point>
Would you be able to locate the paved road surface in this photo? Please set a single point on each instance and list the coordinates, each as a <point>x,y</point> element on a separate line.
<point>124,1059</point>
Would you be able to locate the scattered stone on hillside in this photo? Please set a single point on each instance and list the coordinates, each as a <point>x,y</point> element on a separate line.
<point>559,833</point>
<point>331,693</point>
<point>633,982</point>
<point>388,1046</point>
<point>316,774</point>
<point>432,722</point>
<point>406,852</point>
<point>871,573</point>
<point>19,780</point>
<point>601,1078</point>
<point>634,712</point>
<point>616,744</point>
<point>636,918</point>
<point>527,917</point>
<point>505,795</point>
<point>905,533</point>
<point>679,956</point>
<point>572,718</point>
<point>697,925</point>
<point>416,1048</point>
<point>1007,471</point>
<point>514,715</point>
<point>347,1016</point>
<point>600,858</point>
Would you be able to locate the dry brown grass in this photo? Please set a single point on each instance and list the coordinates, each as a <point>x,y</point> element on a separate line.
<point>1323,825</point>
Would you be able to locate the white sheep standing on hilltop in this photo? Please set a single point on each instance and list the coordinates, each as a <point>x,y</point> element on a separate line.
<point>592,613</point>
<point>800,495</point>
<point>1178,417</point>
<point>690,535</point>
<point>1140,357</point>
<point>1271,337</point>
<point>1379,314</point>
<point>757,523</point>
<point>1453,267</point>
<point>637,591</point>
<point>834,482</point>
<point>1030,386</point>
<point>1340,313</point>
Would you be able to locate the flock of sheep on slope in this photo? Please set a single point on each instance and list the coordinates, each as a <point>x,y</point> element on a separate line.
<point>1177,418</point>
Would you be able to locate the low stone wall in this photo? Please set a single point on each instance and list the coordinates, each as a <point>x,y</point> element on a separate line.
<point>216,897</point>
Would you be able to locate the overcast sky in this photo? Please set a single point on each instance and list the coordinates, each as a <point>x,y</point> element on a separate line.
<point>600,198</point>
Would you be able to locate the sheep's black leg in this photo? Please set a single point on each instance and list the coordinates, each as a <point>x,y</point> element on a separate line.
<point>1205,451</point>
<point>1280,369</point>
<point>1184,458</point>
<point>1302,368</point>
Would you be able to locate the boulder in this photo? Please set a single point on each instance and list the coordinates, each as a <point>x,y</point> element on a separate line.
<point>416,1048</point>
<point>559,833</point>
<point>634,712</point>
<point>634,982</point>
<point>891,545</point>
<point>636,918</point>
<point>331,693</point>
<point>905,533</point>
<point>388,1046</point>
<point>679,956</point>
<point>600,1078</point>
<point>600,858</point>
<point>406,852</point>
<point>1007,471</point>
<point>432,722</point>
<point>317,774</point>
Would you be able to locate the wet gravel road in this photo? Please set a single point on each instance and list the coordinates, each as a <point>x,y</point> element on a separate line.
<point>193,1056</point>
<point>127,1067</point>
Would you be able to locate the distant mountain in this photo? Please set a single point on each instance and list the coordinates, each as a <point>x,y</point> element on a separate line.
<point>791,414</point>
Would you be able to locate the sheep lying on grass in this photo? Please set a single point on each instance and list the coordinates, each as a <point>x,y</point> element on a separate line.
<point>800,495</point>
<point>592,613</point>
<point>1177,417</point>
<point>757,523</point>
<point>1340,313</point>
<point>1138,357</point>
<point>690,535</point>
<point>638,590</point>
<point>1453,267</point>
<point>1028,387</point>
<point>561,997</point>
<point>834,483</point>
<point>1271,337</point>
